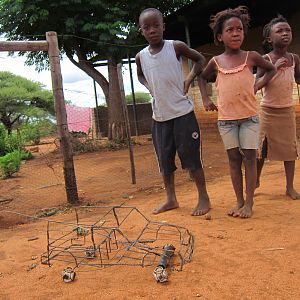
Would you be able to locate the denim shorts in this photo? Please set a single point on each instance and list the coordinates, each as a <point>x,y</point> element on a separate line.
<point>243,134</point>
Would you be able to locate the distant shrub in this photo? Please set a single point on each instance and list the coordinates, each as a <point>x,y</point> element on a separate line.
<point>11,162</point>
<point>14,141</point>
<point>34,131</point>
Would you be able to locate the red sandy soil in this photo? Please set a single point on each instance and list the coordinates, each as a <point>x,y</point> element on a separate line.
<point>257,258</point>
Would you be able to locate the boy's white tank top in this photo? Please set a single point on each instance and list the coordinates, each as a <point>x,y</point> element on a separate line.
<point>164,75</point>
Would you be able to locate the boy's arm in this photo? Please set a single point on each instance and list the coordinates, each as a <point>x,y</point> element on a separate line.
<point>297,68</point>
<point>202,83</point>
<point>183,49</point>
<point>140,74</point>
<point>267,67</point>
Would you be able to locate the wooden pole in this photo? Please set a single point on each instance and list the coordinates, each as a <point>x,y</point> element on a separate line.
<point>127,124</point>
<point>133,98</point>
<point>97,123</point>
<point>24,46</point>
<point>61,117</point>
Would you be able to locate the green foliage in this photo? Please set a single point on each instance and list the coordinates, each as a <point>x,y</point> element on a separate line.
<point>140,97</point>
<point>10,143</point>
<point>10,163</point>
<point>35,130</point>
<point>105,27</point>
<point>14,141</point>
<point>22,99</point>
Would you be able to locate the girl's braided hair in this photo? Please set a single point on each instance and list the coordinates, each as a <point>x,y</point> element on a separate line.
<point>217,21</point>
<point>267,46</point>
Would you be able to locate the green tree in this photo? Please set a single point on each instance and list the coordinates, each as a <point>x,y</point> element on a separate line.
<point>140,97</point>
<point>22,99</point>
<point>89,31</point>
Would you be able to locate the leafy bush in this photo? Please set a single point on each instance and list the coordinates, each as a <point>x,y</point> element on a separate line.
<point>140,97</point>
<point>11,162</point>
<point>34,131</point>
<point>14,141</point>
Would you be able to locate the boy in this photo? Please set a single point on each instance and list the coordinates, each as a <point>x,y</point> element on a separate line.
<point>175,128</point>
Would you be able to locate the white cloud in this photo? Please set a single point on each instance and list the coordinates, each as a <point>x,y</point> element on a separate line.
<point>78,87</point>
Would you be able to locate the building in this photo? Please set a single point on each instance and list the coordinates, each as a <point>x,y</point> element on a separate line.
<point>190,24</point>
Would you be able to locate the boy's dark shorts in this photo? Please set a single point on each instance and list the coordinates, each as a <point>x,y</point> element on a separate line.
<point>181,134</point>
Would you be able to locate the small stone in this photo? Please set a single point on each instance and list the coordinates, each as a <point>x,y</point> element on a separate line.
<point>198,295</point>
<point>208,217</point>
<point>34,257</point>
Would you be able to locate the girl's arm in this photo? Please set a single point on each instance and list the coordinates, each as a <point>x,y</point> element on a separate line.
<point>297,68</point>
<point>264,75</point>
<point>182,49</point>
<point>202,83</point>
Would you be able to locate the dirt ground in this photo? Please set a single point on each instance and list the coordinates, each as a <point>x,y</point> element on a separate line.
<point>234,258</point>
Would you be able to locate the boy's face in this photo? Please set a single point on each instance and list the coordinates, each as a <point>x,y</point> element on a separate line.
<point>233,33</point>
<point>152,27</point>
<point>281,34</point>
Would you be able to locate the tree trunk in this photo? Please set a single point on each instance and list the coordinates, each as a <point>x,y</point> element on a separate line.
<point>8,124</point>
<point>111,90</point>
<point>116,123</point>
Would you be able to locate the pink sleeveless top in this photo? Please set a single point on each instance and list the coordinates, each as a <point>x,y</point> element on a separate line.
<point>235,92</point>
<point>278,92</point>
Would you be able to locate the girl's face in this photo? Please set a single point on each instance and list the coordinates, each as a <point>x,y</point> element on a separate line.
<point>232,33</point>
<point>280,34</point>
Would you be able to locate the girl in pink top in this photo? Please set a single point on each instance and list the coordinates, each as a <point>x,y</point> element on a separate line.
<point>278,121</point>
<point>238,120</point>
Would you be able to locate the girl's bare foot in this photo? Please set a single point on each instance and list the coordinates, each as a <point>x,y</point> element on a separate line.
<point>165,207</point>
<point>292,193</point>
<point>234,212</point>
<point>246,211</point>
<point>202,207</point>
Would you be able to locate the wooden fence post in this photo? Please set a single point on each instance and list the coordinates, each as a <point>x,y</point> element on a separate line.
<point>127,123</point>
<point>61,118</point>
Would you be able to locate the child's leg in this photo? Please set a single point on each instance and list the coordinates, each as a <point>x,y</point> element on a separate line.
<point>289,167</point>
<point>203,205</point>
<point>164,145</point>
<point>235,166</point>
<point>171,202</point>
<point>249,160</point>
<point>188,145</point>
<point>260,162</point>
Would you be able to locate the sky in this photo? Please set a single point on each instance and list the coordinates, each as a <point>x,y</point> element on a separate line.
<point>78,87</point>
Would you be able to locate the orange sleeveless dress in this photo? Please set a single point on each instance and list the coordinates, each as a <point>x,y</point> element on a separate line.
<point>235,92</point>
<point>277,116</point>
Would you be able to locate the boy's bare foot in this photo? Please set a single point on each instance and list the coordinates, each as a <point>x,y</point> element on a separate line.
<point>203,207</point>
<point>246,211</point>
<point>165,207</point>
<point>292,193</point>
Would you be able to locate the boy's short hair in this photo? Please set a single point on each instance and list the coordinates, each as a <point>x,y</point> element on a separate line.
<point>151,9</point>
<point>217,21</point>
